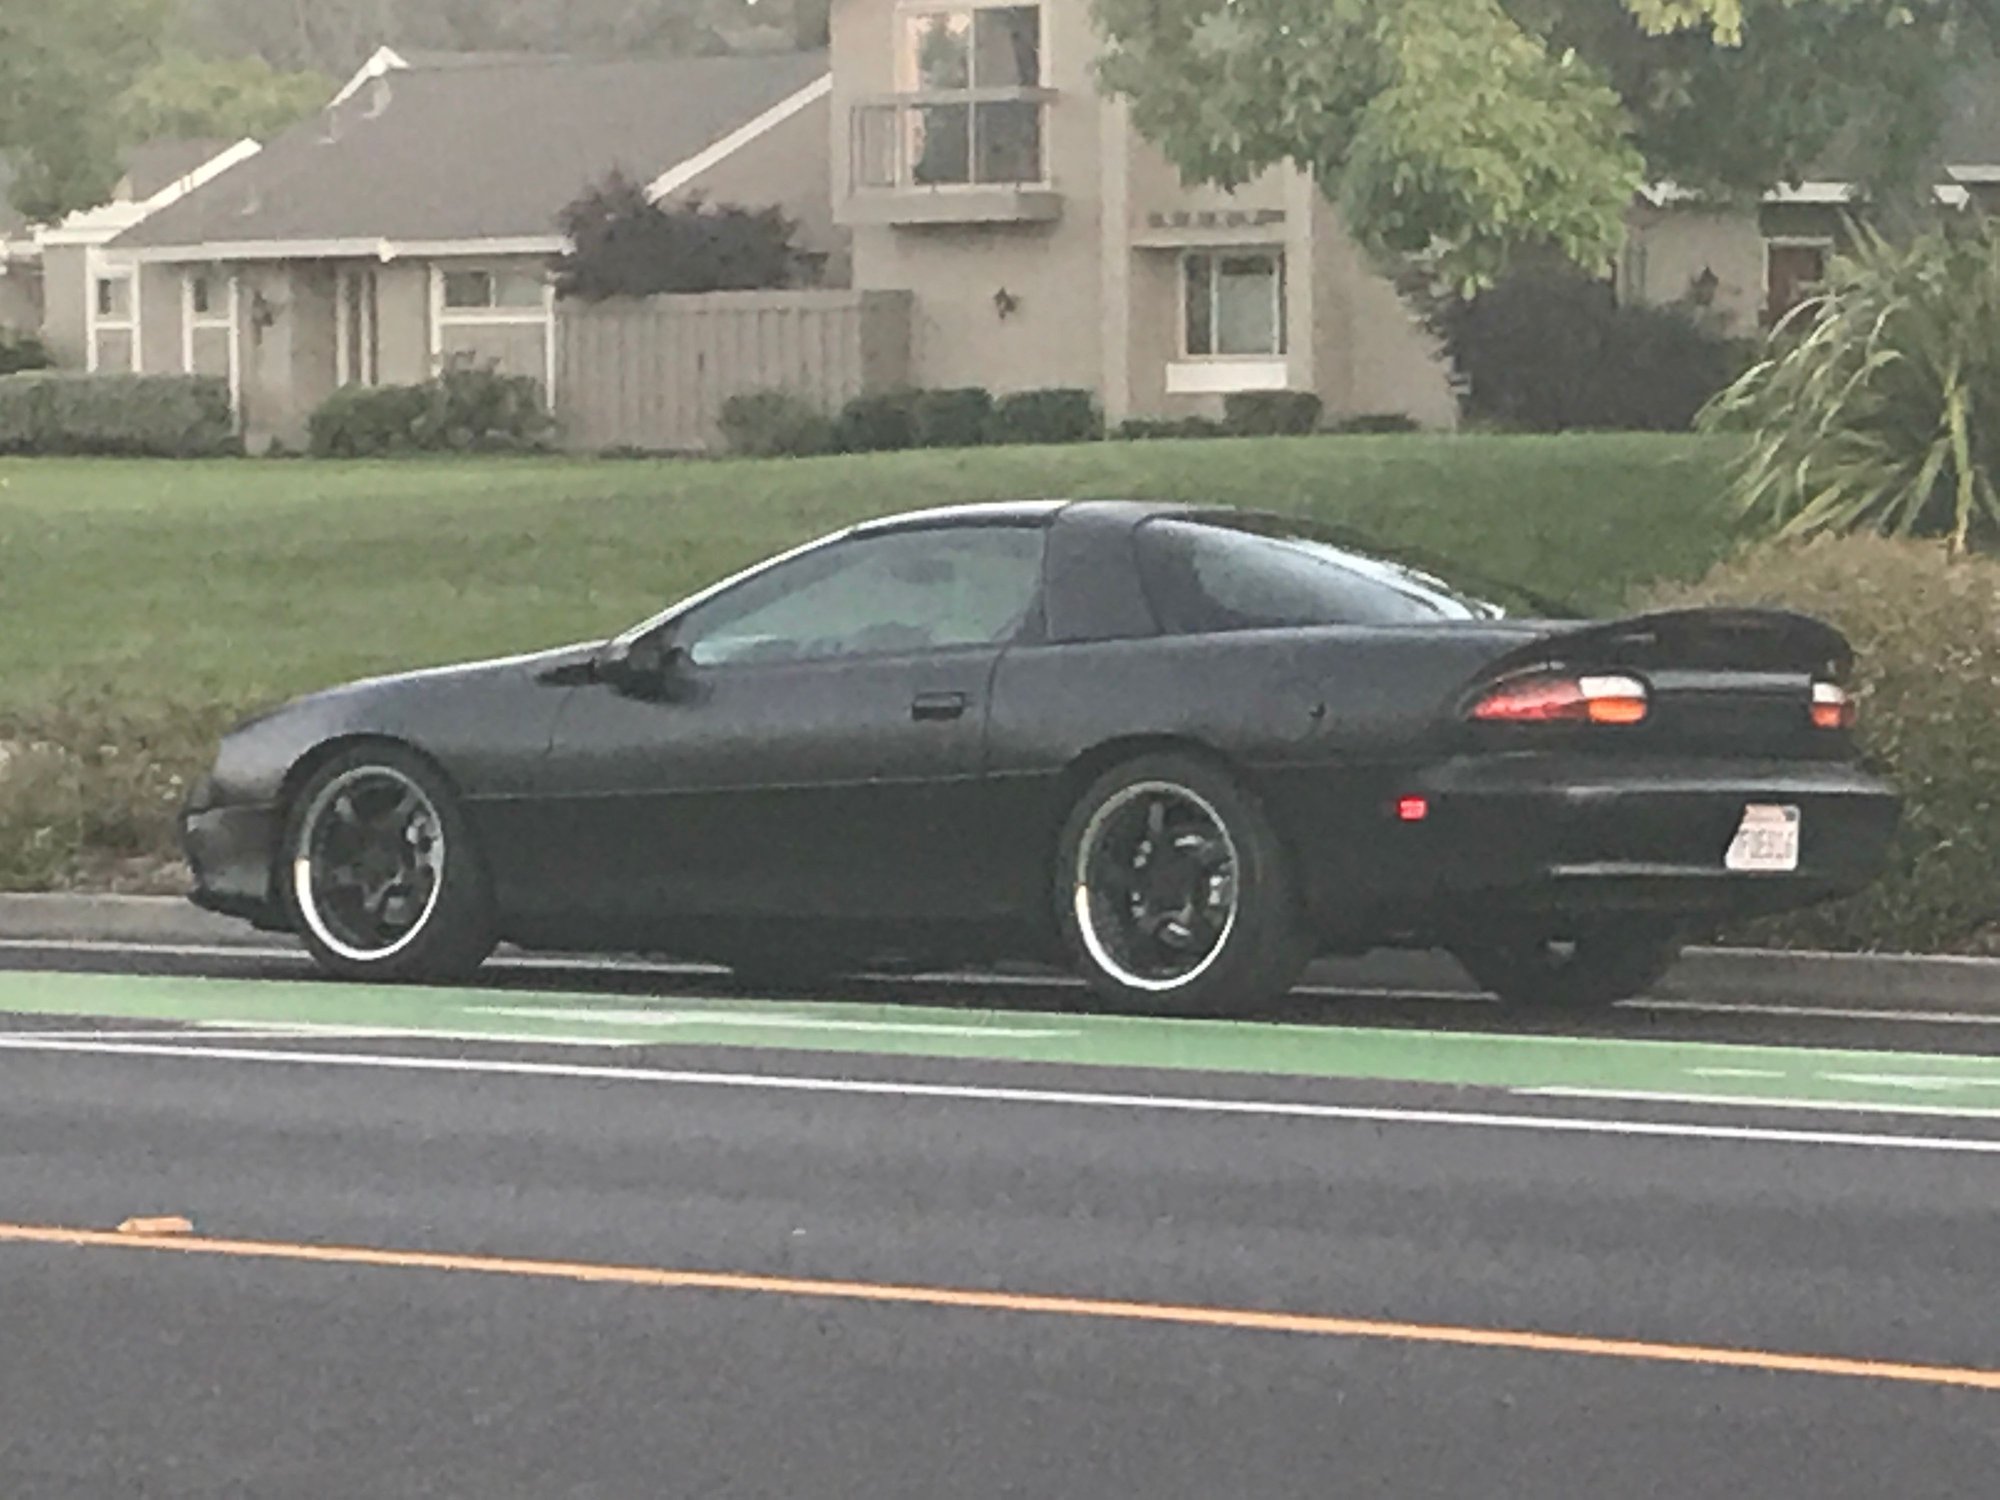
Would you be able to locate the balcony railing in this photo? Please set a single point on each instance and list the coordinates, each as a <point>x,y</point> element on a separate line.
<point>987,147</point>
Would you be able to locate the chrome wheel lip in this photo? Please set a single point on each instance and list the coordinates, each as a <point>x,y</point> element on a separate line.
<point>1086,919</point>
<point>303,875</point>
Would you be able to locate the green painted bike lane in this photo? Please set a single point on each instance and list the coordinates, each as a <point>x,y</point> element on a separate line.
<point>1739,1074</point>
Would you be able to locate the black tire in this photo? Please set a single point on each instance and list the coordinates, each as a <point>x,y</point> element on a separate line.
<point>1138,949</point>
<point>378,893</point>
<point>1597,967</point>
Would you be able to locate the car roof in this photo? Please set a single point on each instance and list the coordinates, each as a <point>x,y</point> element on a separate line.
<point>985,513</point>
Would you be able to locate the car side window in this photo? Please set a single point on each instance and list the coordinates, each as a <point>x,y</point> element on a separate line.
<point>906,591</point>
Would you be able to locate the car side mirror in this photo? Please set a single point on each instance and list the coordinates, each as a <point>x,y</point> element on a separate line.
<point>649,667</point>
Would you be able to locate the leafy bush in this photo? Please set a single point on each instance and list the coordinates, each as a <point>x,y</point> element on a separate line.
<point>465,410</point>
<point>775,424</point>
<point>1378,423</point>
<point>1271,413</point>
<point>882,423</point>
<point>1550,350</point>
<point>1926,631</point>
<point>22,351</point>
<point>1056,415</point>
<point>952,418</point>
<point>1878,408</point>
<point>1140,429</point>
<point>626,245</point>
<point>123,416</point>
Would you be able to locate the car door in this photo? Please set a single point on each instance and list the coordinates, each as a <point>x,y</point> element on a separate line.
<point>821,754</point>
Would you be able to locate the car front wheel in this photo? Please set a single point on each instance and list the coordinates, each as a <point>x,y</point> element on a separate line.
<point>381,871</point>
<point>1593,968</point>
<point>1175,893</point>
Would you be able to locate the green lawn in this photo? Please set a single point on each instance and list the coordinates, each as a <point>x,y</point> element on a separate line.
<point>205,585</point>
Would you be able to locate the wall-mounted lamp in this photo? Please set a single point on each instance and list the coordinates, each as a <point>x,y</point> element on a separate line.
<point>1006,304</point>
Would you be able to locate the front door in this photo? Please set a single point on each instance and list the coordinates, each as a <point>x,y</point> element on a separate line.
<point>820,755</point>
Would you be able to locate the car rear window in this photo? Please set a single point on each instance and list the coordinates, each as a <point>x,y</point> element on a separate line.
<point>1204,578</point>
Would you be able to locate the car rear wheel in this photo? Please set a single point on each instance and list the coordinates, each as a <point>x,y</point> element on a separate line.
<point>1175,893</point>
<point>1592,968</point>
<point>381,871</point>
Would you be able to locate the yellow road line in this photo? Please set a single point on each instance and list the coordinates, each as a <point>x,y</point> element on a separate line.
<point>1241,1319</point>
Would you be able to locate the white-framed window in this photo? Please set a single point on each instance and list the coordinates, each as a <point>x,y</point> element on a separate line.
<point>1233,304</point>
<point>480,290</point>
<point>210,305</point>
<point>114,318</point>
<point>970,100</point>
<point>479,311</point>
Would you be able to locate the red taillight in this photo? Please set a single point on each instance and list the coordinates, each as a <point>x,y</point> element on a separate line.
<point>1832,706</point>
<point>1548,699</point>
<point>1412,809</point>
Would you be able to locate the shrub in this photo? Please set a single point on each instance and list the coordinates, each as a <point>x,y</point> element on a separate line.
<point>627,245</point>
<point>882,423</point>
<point>1550,350</point>
<point>123,416</point>
<point>22,351</point>
<point>1926,631</point>
<point>465,410</point>
<point>952,418</point>
<point>1056,415</point>
<point>1271,413</point>
<point>774,424</point>
<point>1377,423</point>
<point>1878,408</point>
<point>1140,429</point>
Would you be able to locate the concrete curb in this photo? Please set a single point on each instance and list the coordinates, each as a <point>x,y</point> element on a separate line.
<point>1890,982</point>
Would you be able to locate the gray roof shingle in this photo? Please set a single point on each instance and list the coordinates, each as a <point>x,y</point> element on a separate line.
<point>494,150</point>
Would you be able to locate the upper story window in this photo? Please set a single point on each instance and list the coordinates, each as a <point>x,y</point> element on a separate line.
<point>969,111</point>
<point>1235,303</point>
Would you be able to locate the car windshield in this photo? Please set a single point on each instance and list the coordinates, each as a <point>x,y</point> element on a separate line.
<point>1248,573</point>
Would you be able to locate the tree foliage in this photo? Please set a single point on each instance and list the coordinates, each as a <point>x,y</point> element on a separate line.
<point>185,97</point>
<point>60,62</point>
<point>1466,130</point>
<point>1878,408</point>
<point>626,245</point>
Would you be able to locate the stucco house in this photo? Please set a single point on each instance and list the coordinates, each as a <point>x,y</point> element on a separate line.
<point>1044,243</point>
<point>415,220</point>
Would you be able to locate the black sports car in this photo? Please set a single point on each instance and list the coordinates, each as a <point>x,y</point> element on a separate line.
<point>1186,748</point>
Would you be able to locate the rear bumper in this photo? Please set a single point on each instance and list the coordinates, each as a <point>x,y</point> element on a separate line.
<point>1545,833</point>
<point>230,851</point>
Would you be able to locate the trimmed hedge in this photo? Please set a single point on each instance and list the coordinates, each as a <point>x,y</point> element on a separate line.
<point>961,418</point>
<point>22,351</point>
<point>49,413</point>
<point>885,422</point>
<point>775,424</point>
<point>462,411</point>
<point>1271,413</point>
<point>1926,634</point>
<point>1056,415</point>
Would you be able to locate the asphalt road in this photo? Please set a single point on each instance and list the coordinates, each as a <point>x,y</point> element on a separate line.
<point>442,1268</point>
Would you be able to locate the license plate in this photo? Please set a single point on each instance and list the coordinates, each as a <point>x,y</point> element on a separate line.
<point>1767,840</point>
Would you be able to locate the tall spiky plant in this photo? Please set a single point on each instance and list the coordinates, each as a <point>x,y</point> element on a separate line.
<point>1877,405</point>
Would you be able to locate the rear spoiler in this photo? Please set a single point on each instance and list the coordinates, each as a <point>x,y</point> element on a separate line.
<point>1709,639</point>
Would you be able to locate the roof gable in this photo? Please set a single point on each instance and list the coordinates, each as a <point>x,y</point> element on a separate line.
<point>488,152</point>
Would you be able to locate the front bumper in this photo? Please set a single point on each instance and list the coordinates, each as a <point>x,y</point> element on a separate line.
<point>1578,835</point>
<point>232,852</point>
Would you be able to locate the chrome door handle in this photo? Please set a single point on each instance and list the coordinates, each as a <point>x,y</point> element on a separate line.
<point>933,707</point>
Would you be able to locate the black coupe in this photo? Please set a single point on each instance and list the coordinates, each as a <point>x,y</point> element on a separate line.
<point>1185,748</point>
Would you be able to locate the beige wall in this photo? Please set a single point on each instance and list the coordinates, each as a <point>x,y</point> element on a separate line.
<point>1096,293</point>
<point>66,292</point>
<point>403,323</point>
<point>1668,249</point>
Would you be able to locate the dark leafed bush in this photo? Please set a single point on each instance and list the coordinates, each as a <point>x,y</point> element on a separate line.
<point>1056,415</point>
<point>626,245</point>
<point>1376,423</point>
<point>885,422</point>
<point>1139,429</point>
<point>1271,413</point>
<point>775,424</point>
<point>120,416</point>
<point>952,418</point>
<point>1926,631</point>
<point>22,351</point>
<point>465,410</point>
<point>1550,350</point>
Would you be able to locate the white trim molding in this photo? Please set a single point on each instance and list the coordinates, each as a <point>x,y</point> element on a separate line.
<point>229,321</point>
<point>386,60</point>
<point>1221,377</point>
<point>385,251</point>
<point>677,177</point>
<point>1821,191</point>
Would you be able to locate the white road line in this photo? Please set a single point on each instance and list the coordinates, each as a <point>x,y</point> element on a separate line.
<point>669,1018</point>
<point>1736,1072</point>
<point>1928,1082</point>
<point>334,1031</point>
<point>1154,1103</point>
<point>1752,1101</point>
<point>1816,1012</point>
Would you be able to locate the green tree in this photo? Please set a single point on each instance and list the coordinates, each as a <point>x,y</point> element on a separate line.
<point>1464,131</point>
<point>60,62</point>
<point>186,97</point>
